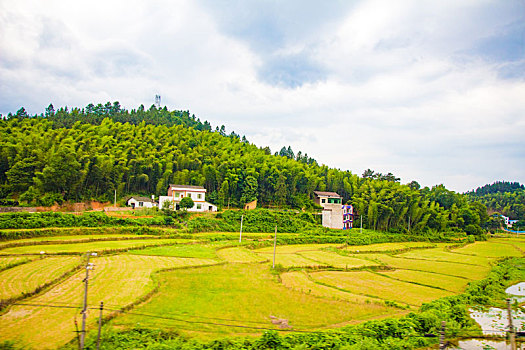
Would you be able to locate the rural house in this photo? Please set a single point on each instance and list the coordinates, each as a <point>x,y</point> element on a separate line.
<point>142,202</point>
<point>177,192</point>
<point>332,216</point>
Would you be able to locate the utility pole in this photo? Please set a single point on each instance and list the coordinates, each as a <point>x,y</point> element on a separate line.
<point>274,246</point>
<point>100,324</point>
<point>512,335</point>
<point>89,266</point>
<point>240,233</point>
<point>442,336</point>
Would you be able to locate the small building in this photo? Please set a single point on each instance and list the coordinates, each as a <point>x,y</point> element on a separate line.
<point>142,202</point>
<point>348,216</point>
<point>331,202</point>
<point>177,192</point>
<point>250,206</point>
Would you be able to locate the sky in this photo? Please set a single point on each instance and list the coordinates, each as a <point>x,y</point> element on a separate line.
<point>432,91</point>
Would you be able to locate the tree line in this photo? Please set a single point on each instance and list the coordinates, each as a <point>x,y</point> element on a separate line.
<point>88,153</point>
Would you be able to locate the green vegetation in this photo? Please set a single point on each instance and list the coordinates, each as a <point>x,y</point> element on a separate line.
<point>50,219</point>
<point>241,296</point>
<point>503,197</point>
<point>392,333</point>
<point>82,154</point>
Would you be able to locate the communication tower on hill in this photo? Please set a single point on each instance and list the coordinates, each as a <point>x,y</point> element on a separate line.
<point>157,101</point>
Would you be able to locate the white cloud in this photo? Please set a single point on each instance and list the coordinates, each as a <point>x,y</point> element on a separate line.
<point>399,85</point>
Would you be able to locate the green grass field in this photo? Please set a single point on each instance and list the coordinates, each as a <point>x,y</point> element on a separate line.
<point>235,293</point>
<point>28,277</point>
<point>489,249</point>
<point>98,246</point>
<point>240,295</point>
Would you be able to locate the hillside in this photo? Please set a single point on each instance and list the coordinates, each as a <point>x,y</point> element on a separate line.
<point>89,153</point>
<point>503,197</point>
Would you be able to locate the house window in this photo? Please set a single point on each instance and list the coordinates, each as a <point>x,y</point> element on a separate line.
<point>323,200</point>
<point>141,204</point>
<point>177,194</point>
<point>199,196</point>
<point>198,206</point>
<point>189,195</point>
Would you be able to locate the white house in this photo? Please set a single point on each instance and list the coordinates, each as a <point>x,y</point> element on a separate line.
<point>196,193</point>
<point>142,202</point>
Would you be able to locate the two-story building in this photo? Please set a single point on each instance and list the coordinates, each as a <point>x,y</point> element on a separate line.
<point>331,202</point>
<point>177,192</point>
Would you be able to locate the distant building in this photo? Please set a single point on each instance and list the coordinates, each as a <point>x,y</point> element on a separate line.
<point>177,192</point>
<point>348,216</point>
<point>250,206</point>
<point>142,202</point>
<point>331,203</point>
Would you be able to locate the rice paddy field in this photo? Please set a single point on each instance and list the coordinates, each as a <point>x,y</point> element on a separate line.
<point>213,289</point>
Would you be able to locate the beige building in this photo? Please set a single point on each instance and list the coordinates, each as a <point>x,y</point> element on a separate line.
<point>331,202</point>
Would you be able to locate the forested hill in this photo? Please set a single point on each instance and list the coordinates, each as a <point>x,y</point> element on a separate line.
<point>503,197</point>
<point>87,154</point>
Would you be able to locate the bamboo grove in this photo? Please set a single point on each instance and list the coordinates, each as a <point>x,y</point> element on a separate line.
<point>89,153</point>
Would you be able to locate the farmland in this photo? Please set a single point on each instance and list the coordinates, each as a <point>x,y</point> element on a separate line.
<point>209,289</point>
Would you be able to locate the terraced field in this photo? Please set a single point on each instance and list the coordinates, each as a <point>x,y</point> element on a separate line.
<point>9,261</point>
<point>222,288</point>
<point>240,255</point>
<point>71,239</point>
<point>27,277</point>
<point>80,248</point>
<point>118,281</point>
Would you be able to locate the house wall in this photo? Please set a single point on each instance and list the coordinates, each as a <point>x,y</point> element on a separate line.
<point>144,204</point>
<point>198,206</point>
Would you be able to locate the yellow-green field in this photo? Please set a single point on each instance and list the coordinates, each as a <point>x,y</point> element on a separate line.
<point>8,261</point>
<point>375,285</point>
<point>118,281</point>
<point>386,247</point>
<point>72,239</point>
<point>489,249</point>
<point>28,277</point>
<point>98,246</point>
<point>223,288</point>
<point>239,255</point>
